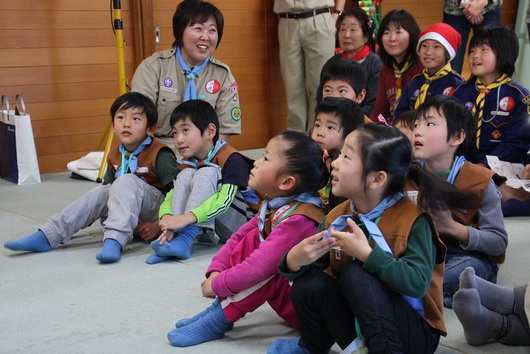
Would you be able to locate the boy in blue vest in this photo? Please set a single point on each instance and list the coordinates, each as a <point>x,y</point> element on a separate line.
<point>207,194</point>
<point>140,171</point>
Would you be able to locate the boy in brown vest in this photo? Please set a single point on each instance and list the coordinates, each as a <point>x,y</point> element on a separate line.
<point>207,194</point>
<point>475,238</point>
<point>139,173</point>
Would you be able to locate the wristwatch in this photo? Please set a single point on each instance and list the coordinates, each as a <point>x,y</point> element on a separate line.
<point>338,12</point>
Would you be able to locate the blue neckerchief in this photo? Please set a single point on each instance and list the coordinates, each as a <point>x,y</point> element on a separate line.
<point>132,163</point>
<point>276,203</point>
<point>457,165</point>
<point>191,90</point>
<point>376,234</point>
<point>206,162</point>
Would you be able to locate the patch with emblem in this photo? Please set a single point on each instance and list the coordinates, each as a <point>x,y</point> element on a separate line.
<point>280,213</point>
<point>507,103</point>
<point>235,113</point>
<point>168,82</point>
<point>496,134</point>
<point>448,91</point>
<point>469,105</point>
<point>233,87</point>
<point>416,93</point>
<point>201,97</point>
<point>212,86</point>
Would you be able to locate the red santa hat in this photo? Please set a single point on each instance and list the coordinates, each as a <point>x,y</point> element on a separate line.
<point>444,34</point>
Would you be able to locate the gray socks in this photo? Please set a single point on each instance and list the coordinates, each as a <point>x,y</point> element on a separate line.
<point>494,297</point>
<point>480,324</point>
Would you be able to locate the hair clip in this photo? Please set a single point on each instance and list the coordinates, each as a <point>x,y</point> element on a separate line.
<point>370,23</point>
<point>325,156</point>
<point>382,120</point>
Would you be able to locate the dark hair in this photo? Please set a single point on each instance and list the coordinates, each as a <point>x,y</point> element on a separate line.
<point>407,118</point>
<point>350,113</point>
<point>402,19</point>
<point>201,114</point>
<point>303,157</point>
<point>458,117</point>
<point>367,24</point>
<point>135,100</point>
<point>189,12</point>
<point>345,70</point>
<point>503,42</point>
<point>384,148</point>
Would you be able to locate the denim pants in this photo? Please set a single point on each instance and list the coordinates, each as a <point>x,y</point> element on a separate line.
<point>463,26</point>
<point>458,259</point>
<point>326,309</point>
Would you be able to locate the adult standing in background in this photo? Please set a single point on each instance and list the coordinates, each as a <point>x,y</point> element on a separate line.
<point>306,36</point>
<point>464,15</point>
<point>187,71</point>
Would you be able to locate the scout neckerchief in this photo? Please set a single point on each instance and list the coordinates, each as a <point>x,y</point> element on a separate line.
<point>131,164</point>
<point>444,71</point>
<point>398,73</point>
<point>191,90</point>
<point>453,172</point>
<point>206,162</point>
<point>360,55</point>
<point>478,108</point>
<point>275,203</point>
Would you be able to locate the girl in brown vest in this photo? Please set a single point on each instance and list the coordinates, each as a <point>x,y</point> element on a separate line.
<point>386,258</point>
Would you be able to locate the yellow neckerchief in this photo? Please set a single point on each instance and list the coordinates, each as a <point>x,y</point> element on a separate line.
<point>478,108</point>
<point>398,73</point>
<point>446,69</point>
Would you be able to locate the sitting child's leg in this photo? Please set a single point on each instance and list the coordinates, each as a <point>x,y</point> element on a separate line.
<point>111,251</point>
<point>179,246</point>
<point>494,297</point>
<point>36,242</point>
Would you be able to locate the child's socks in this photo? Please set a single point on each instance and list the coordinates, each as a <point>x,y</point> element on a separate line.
<point>280,346</point>
<point>155,258</point>
<point>111,251</point>
<point>480,324</point>
<point>180,245</point>
<point>187,321</point>
<point>212,325</point>
<point>494,297</point>
<point>36,242</point>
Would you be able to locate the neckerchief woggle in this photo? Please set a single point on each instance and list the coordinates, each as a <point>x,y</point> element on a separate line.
<point>132,163</point>
<point>275,203</point>
<point>206,162</point>
<point>373,230</point>
<point>191,90</point>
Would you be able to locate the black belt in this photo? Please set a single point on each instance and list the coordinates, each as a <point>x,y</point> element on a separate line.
<point>307,14</point>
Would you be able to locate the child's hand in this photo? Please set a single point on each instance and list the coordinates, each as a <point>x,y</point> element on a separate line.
<point>148,231</point>
<point>206,286</point>
<point>447,227</point>
<point>526,172</point>
<point>166,236</point>
<point>308,251</point>
<point>353,243</point>
<point>176,222</point>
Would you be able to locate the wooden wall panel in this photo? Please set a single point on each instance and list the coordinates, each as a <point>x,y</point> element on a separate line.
<point>61,56</point>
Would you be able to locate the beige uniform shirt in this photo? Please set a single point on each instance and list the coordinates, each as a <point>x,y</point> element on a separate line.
<point>161,78</point>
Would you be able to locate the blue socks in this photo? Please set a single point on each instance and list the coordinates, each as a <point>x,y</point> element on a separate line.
<point>212,325</point>
<point>111,251</point>
<point>179,246</point>
<point>36,242</point>
<point>188,321</point>
<point>280,346</point>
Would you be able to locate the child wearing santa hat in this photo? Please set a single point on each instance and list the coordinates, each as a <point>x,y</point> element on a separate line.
<point>436,48</point>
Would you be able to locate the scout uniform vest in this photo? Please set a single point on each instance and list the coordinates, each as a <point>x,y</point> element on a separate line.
<point>395,225</point>
<point>146,163</point>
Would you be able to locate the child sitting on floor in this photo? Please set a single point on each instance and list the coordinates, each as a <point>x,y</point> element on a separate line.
<point>207,192</point>
<point>140,171</point>
<point>243,274</point>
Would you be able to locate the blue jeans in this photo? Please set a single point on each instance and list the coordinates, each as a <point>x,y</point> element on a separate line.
<point>463,26</point>
<point>458,259</point>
